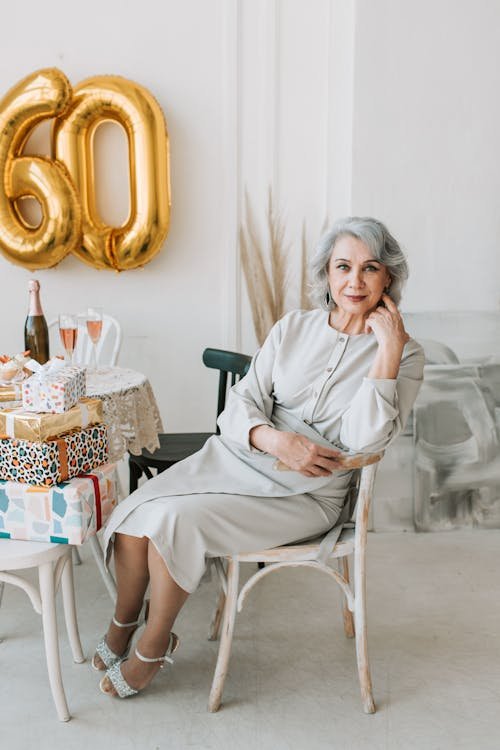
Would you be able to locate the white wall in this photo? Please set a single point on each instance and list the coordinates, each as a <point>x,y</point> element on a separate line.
<point>387,108</point>
<point>426,147</point>
<point>177,304</point>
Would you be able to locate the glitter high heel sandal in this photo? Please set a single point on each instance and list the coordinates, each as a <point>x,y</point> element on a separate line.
<point>103,651</point>
<point>120,684</point>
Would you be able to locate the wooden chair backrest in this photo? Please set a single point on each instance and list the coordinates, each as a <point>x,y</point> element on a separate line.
<point>228,363</point>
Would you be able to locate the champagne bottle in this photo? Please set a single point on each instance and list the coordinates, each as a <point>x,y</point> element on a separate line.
<point>36,333</point>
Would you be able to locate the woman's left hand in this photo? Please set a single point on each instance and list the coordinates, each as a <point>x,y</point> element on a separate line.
<point>387,325</point>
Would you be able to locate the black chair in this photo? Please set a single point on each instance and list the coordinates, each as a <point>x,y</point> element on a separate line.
<point>176,446</point>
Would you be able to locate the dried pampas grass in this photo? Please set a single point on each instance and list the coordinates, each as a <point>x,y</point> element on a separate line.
<point>267,268</point>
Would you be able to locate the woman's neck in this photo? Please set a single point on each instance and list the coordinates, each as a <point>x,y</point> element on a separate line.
<point>348,323</point>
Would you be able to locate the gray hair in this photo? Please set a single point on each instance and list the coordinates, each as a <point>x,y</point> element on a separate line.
<point>377,237</point>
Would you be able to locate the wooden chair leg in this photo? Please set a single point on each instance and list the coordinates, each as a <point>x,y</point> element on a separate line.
<point>68,594</point>
<point>47,595</point>
<point>215,623</point>
<point>221,668</point>
<point>347,616</point>
<point>365,681</point>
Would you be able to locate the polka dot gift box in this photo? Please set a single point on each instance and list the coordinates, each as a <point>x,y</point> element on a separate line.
<point>55,387</point>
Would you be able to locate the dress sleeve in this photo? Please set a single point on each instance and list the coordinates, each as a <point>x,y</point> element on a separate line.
<point>250,402</point>
<point>380,408</point>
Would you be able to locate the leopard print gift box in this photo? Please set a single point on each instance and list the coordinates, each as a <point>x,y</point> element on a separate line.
<point>54,461</point>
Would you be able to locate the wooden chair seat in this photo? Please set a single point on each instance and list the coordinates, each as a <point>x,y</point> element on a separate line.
<point>299,552</point>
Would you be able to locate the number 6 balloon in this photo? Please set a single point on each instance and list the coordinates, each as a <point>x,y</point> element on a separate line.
<point>65,186</point>
<point>44,94</point>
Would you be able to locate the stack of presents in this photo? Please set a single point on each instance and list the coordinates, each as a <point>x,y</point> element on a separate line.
<point>56,484</point>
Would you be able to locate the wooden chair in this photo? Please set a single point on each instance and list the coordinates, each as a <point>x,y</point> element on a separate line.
<point>53,562</point>
<point>338,543</point>
<point>176,446</point>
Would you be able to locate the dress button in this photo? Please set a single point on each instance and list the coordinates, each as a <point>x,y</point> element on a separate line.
<point>307,421</point>
<point>342,339</point>
<point>329,369</point>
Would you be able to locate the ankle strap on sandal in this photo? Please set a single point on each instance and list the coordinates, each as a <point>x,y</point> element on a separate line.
<point>139,620</point>
<point>124,624</point>
<point>146,659</point>
<point>172,645</point>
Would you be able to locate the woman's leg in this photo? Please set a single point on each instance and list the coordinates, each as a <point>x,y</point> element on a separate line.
<point>166,602</point>
<point>132,577</point>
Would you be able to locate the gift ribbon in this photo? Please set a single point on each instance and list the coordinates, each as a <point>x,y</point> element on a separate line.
<point>10,423</point>
<point>97,495</point>
<point>63,458</point>
<point>84,415</point>
<point>42,372</point>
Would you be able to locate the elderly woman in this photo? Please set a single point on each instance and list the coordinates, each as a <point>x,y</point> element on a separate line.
<point>326,382</point>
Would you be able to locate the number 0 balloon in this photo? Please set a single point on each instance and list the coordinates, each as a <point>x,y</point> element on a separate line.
<point>114,98</point>
<point>65,186</point>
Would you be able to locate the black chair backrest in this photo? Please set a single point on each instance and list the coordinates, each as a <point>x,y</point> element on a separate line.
<point>232,363</point>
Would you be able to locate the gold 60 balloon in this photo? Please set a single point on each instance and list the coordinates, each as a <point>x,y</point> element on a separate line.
<point>65,185</point>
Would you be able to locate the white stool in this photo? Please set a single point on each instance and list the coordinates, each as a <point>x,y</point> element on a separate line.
<point>50,559</point>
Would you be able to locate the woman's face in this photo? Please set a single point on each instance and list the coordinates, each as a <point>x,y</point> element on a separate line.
<point>357,280</point>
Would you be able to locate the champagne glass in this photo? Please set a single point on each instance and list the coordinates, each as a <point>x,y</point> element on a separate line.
<point>94,330</point>
<point>68,331</point>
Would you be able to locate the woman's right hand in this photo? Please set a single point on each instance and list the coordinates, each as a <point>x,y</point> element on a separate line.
<point>296,452</point>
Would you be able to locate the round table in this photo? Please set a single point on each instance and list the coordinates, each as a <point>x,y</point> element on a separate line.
<point>130,410</point>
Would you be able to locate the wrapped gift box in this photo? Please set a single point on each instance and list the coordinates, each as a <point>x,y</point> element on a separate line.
<point>11,392</point>
<point>68,513</point>
<point>28,425</point>
<point>54,388</point>
<point>56,460</point>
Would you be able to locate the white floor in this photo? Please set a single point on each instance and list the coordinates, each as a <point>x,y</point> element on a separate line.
<point>434,624</point>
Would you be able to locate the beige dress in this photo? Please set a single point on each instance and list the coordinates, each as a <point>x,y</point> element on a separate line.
<point>229,497</point>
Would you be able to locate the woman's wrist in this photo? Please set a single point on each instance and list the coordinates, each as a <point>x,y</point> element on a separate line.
<point>263,437</point>
<point>387,361</point>
<point>391,348</point>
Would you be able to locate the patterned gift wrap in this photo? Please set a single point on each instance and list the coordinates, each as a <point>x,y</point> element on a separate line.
<point>28,425</point>
<point>54,392</point>
<point>68,513</point>
<point>56,460</point>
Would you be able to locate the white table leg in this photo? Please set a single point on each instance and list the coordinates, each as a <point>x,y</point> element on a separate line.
<point>68,594</point>
<point>106,576</point>
<point>47,594</point>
